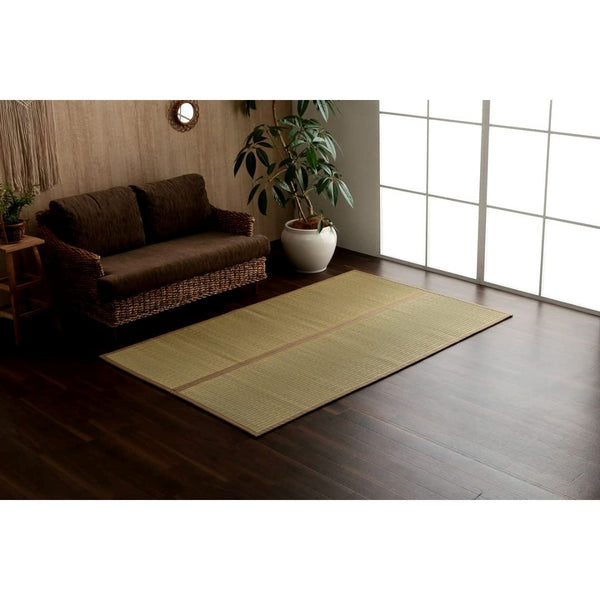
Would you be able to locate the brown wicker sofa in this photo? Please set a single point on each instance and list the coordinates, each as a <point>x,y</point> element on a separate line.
<point>126,253</point>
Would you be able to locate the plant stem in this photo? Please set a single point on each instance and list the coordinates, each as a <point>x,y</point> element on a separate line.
<point>297,197</point>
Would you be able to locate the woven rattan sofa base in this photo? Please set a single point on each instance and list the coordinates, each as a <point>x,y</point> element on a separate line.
<point>126,310</point>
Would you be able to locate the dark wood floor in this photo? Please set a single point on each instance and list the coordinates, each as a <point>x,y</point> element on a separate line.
<point>513,412</point>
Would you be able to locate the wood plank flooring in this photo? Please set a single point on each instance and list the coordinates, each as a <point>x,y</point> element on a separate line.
<point>511,413</point>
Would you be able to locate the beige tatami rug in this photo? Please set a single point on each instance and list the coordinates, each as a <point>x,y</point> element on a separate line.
<point>263,365</point>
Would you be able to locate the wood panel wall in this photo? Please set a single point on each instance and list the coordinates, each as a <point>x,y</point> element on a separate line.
<point>108,143</point>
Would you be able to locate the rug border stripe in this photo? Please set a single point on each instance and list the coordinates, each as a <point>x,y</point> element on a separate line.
<point>295,343</point>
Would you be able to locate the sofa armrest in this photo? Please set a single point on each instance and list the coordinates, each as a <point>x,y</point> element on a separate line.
<point>234,222</point>
<point>72,270</point>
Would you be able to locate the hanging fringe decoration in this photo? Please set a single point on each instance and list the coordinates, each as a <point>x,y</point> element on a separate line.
<point>28,144</point>
<point>44,142</point>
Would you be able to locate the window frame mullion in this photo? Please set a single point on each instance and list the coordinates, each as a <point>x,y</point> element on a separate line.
<point>483,184</point>
<point>543,241</point>
<point>427,192</point>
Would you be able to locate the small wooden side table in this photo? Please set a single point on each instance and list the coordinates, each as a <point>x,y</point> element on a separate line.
<point>24,308</point>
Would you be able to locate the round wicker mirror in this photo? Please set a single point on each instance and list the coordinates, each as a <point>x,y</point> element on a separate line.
<point>183,114</point>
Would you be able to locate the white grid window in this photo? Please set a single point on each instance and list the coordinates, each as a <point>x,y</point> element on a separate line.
<point>504,193</point>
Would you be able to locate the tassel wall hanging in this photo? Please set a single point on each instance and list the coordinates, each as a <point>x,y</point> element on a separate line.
<point>27,144</point>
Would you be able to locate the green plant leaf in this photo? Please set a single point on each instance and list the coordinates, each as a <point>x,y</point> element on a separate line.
<point>321,184</point>
<point>304,177</point>
<point>257,134</point>
<point>329,190</point>
<point>328,143</point>
<point>271,168</point>
<point>320,226</point>
<point>251,164</point>
<point>311,157</point>
<point>242,151</point>
<point>238,162</point>
<point>247,106</point>
<point>310,124</point>
<point>326,168</point>
<point>290,173</point>
<point>295,143</point>
<point>278,196</point>
<point>283,185</point>
<point>332,106</point>
<point>346,193</point>
<point>322,108</point>
<point>302,106</point>
<point>322,153</point>
<point>262,202</point>
<point>292,121</point>
<point>252,192</point>
<point>262,156</point>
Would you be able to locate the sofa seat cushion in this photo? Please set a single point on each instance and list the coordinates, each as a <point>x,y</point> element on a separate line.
<point>173,208</point>
<point>164,263</point>
<point>104,222</point>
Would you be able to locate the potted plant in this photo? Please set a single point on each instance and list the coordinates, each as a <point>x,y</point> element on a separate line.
<point>305,173</point>
<point>11,205</point>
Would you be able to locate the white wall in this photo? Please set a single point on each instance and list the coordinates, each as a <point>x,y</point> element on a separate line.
<point>357,131</point>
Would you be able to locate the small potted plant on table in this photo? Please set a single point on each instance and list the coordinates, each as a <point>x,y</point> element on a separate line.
<point>12,202</point>
<point>306,171</point>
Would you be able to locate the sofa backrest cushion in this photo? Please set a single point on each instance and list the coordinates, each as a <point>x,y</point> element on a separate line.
<point>105,222</point>
<point>174,207</point>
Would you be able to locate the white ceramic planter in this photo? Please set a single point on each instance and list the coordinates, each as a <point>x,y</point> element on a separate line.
<point>307,249</point>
